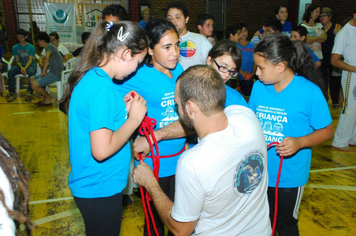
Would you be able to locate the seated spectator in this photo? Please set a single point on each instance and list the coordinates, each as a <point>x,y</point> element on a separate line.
<point>63,51</point>
<point>299,34</point>
<point>205,24</point>
<point>52,62</point>
<point>85,37</point>
<point>146,14</point>
<point>115,13</point>
<point>24,54</point>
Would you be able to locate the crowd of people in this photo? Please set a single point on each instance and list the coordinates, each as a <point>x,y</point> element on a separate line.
<point>225,182</point>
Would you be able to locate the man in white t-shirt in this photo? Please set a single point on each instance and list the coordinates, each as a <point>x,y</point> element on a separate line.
<point>344,57</point>
<point>221,183</point>
<point>194,48</point>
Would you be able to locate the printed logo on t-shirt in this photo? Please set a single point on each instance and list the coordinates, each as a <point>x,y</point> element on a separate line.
<point>271,120</point>
<point>188,49</point>
<point>169,114</point>
<point>249,173</point>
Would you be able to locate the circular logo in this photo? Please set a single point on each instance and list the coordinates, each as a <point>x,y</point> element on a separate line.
<point>60,16</point>
<point>249,173</point>
<point>188,49</point>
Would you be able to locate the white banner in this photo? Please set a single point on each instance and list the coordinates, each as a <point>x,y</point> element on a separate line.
<point>60,17</point>
<point>92,15</point>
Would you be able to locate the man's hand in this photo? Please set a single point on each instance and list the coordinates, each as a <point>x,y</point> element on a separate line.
<point>143,175</point>
<point>23,71</point>
<point>141,146</point>
<point>43,74</point>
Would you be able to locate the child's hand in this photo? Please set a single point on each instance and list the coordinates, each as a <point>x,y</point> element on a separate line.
<point>136,107</point>
<point>288,146</point>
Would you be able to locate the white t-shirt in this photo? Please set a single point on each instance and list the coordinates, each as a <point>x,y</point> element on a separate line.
<point>345,44</point>
<point>61,49</point>
<point>315,31</point>
<point>194,49</point>
<point>222,181</point>
<point>7,225</point>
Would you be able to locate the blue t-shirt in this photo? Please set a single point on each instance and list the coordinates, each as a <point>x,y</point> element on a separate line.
<point>315,58</point>
<point>247,57</point>
<point>233,97</point>
<point>143,24</point>
<point>24,53</point>
<point>96,104</point>
<point>288,114</point>
<point>158,90</point>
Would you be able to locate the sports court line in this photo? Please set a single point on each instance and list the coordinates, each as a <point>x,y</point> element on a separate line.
<point>53,111</point>
<point>334,187</point>
<point>333,169</point>
<point>53,217</point>
<point>51,200</point>
<point>22,113</point>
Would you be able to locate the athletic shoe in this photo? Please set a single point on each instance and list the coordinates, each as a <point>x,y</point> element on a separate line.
<point>28,97</point>
<point>12,97</point>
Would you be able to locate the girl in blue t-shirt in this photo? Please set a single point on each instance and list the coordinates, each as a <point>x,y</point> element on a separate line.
<point>293,112</point>
<point>226,58</point>
<point>156,81</point>
<point>101,121</point>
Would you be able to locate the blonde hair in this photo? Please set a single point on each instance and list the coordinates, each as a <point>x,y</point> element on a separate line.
<point>144,10</point>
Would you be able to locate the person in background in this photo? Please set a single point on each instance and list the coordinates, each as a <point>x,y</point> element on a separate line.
<point>115,13</point>
<point>85,38</point>
<point>330,77</point>
<point>146,15</point>
<point>212,39</point>
<point>258,37</point>
<point>63,51</point>
<point>14,192</point>
<point>345,47</point>
<point>51,70</point>
<point>24,54</point>
<point>205,24</point>
<point>248,68</point>
<point>316,33</point>
<point>299,34</point>
<point>221,182</point>
<point>194,48</point>
<point>232,33</point>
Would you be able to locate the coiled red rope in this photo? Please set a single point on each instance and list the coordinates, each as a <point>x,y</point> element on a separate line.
<point>276,193</point>
<point>146,129</point>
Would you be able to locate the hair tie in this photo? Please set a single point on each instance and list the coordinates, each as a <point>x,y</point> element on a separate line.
<point>109,25</point>
<point>121,37</point>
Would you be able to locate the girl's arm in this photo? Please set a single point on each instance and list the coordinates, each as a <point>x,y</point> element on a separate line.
<point>318,39</point>
<point>105,142</point>
<point>291,145</point>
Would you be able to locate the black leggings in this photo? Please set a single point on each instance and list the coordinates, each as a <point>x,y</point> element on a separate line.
<point>288,207</point>
<point>102,216</point>
<point>167,184</point>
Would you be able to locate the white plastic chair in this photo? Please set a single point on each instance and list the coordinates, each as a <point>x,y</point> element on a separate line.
<point>69,67</point>
<point>4,74</point>
<point>19,76</point>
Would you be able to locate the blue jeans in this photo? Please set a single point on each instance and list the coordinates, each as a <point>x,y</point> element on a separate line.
<point>15,70</point>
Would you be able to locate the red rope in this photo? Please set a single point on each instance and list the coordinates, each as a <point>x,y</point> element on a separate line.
<point>276,193</point>
<point>146,128</point>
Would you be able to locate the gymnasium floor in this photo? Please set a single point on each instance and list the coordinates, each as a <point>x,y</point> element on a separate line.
<point>40,137</point>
